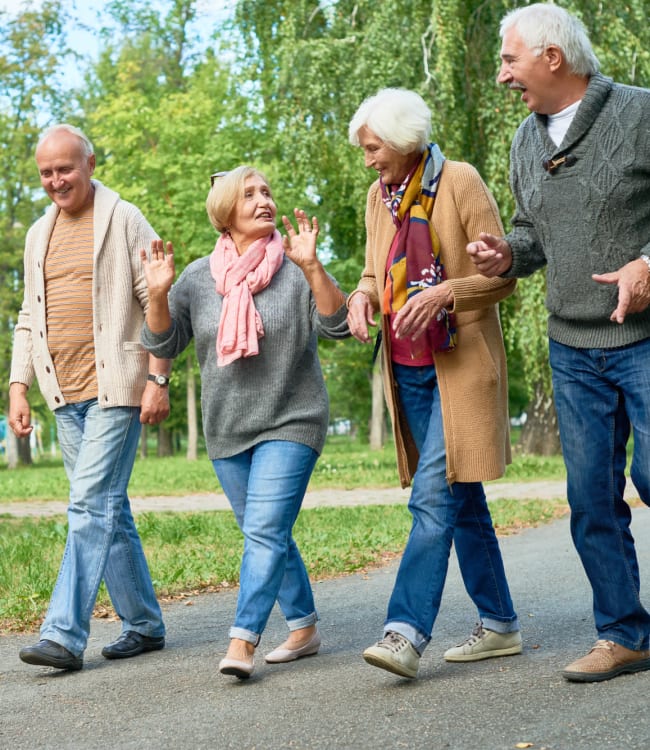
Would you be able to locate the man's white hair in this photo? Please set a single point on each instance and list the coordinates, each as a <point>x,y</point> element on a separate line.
<point>87,146</point>
<point>542,25</point>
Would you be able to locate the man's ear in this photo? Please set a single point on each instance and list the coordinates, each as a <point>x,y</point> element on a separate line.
<point>554,57</point>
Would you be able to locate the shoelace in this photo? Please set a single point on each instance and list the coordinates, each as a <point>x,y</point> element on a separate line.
<point>606,645</point>
<point>475,636</point>
<point>393,641</point>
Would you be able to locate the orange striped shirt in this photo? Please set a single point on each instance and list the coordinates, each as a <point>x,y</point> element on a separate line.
<point>69,305</point>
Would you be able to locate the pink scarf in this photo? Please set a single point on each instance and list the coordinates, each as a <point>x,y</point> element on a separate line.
<point>238,278</point>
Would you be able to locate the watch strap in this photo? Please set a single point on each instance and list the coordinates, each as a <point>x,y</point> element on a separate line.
<point>161,380</point>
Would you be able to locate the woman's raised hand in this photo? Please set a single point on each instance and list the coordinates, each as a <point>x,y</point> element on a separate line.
<point>159,269</point>
<point>300,246</point>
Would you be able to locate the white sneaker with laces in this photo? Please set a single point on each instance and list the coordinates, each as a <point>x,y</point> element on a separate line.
<point>394,653</point>
<point>485,644</point>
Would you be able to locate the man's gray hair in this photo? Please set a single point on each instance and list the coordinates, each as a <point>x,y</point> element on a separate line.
<point>399,117</point>
<point>87,146</point>
<point>544,24</point>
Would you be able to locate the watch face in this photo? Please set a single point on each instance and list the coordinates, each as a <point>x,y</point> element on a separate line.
<point>161,380</point>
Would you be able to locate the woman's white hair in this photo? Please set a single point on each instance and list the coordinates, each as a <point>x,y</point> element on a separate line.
<point>399,117</point>
<point>542,25</point>
<point>86,145</point>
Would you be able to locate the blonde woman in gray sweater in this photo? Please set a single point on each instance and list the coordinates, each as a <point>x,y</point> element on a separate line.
<point>255,308</point>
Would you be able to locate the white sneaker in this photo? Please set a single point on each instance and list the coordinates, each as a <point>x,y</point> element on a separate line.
<point>485,644</point>
<point>395,654</point>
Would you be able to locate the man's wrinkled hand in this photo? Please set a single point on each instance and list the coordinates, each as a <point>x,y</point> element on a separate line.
<point>491,255</point>
<point>633,281</point>
<point>154,407</point>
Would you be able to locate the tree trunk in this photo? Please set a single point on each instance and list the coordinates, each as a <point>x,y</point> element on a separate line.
<point>192,426</point>
<point>144,450</point>
<point>12,449</point>
<point>165,446</point>
<point>540,435</point>
<point>18,451</point>
<point>24,451</point>
<point>377,422</point>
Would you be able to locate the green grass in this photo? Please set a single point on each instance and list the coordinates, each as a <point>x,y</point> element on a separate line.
<point>345,464</point>
<point>194,552</point>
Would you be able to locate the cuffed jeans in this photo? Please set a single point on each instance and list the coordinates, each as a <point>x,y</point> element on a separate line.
<point>99,448</point>
<point>599,395</point>
<point>442,513</point>
<point>265,486</point>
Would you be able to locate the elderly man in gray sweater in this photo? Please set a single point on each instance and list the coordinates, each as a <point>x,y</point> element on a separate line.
<point>580,173</point>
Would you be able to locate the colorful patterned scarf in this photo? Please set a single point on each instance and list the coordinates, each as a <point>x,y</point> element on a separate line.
<point>238,278</point>
<point>417,264</point>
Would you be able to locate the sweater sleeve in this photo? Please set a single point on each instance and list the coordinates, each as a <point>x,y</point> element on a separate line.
<point>22,367</point>
<point>368,282</point>
<point>527,251</point>
<point>333,326</point>
<point>470,209</point>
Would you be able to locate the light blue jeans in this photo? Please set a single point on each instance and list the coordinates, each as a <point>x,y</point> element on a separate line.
<point>266,486</point>
<point>99,448</point>
<point>443,513</point>
<point>599,394</point>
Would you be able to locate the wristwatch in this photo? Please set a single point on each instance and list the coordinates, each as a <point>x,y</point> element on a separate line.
<point>161,380</point>
<point>645,259</point>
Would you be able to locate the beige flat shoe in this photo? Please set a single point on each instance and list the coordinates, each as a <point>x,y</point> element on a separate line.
<point>237,667</point>
<point>281,655</point>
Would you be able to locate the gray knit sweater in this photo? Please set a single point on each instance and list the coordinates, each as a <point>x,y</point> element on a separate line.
<point>278,394</point>
<point>591,217</point>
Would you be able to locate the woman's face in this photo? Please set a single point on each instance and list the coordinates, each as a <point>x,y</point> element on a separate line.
<point>391,166</point>
<point>254,214</point>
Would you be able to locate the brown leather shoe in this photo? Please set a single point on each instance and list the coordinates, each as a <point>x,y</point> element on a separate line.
<point>606,660</point>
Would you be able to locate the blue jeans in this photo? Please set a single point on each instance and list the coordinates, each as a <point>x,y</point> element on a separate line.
<point>98,448</point>
<point>265,486</point>
<point>442,513</point>
<point>599,395</point>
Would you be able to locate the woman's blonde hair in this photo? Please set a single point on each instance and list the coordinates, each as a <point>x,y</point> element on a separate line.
<point>226,190</point>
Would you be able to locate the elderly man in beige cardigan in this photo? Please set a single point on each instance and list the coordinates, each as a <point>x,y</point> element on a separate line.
<point>78,334</point>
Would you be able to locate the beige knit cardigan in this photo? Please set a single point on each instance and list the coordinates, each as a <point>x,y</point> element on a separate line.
<point>473,378</point>
<point>120,300</point>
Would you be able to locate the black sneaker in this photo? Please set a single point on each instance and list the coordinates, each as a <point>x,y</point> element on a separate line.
<point>50,654</point>
<point>131,643</point>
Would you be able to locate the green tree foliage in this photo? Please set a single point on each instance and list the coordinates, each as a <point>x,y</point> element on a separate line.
<point>162,120</point>
<point>276,86</point>
<point>32,53</point>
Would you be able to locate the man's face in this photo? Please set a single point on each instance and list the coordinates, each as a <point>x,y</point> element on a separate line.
<point>65,171</point>
<point>523,70</point>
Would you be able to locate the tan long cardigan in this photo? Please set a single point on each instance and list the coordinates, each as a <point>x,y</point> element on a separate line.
<point>473,378</point>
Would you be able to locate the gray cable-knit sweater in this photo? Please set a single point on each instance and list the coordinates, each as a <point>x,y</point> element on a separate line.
<point>278,394</point>
<point>591,217</point>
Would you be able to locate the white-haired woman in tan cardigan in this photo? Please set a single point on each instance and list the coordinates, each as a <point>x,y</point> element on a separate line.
<point>444,372</point>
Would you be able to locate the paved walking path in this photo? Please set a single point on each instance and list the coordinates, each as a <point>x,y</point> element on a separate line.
<point>313,499</point>
<point>176,700</point>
